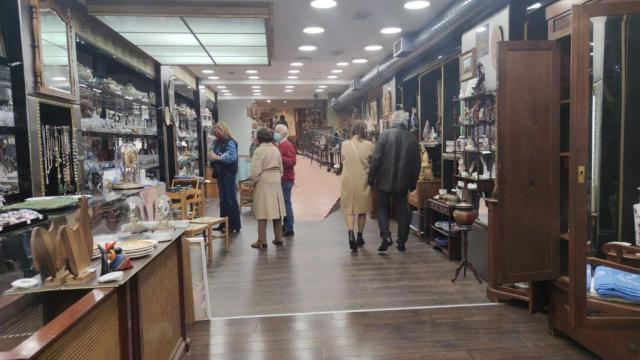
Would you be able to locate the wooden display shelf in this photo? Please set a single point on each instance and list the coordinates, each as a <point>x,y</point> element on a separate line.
<point>116,134</point>
<point>102,92</point>
<point>445,232</point>
<point>484,185</point>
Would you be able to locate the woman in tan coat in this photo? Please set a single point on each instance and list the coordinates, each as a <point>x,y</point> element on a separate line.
<point>355,199</point>
<point>268,200</point>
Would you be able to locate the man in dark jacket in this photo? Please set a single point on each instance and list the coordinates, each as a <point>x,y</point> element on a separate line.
<point>394,171</point>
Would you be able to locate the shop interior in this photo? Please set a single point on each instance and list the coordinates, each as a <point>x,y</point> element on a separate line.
<point>525,219</point>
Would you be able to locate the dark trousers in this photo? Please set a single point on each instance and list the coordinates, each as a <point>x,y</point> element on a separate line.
<point>287,186</point>
<point>402,215</point>
<point>229,200</point>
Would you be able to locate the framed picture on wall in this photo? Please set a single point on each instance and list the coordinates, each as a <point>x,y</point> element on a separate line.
<point>468,67</point>
<point>482,40</point>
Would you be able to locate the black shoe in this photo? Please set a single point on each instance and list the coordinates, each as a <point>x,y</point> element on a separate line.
<point>288,233</point>
<point>385,245</point>
<point>235,230</point>
<point>400,247</point>
<point>352,241</point>
<point>360,240</point>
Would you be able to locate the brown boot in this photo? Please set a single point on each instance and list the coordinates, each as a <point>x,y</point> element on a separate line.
<point>259,245</point>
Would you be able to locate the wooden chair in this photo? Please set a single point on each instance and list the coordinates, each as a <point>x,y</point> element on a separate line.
<point>193,200</point>
<point>193,182</point>
<point>211,234</point>
<point>178,204</point>
<point>245,188</point>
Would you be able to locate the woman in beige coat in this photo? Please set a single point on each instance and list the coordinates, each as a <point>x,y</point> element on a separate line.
<point>355,199</point>
<point>268,200</point>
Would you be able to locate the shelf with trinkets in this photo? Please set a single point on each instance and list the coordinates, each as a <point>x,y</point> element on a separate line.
<point>188,139</point>
<point>118,107</point>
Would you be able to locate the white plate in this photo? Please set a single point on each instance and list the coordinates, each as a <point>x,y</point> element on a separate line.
<point>26,283</point>
<point>138,255</point>
<point>161,236</point>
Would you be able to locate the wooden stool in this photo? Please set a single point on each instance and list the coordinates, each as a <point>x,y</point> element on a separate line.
<point>210,222</point>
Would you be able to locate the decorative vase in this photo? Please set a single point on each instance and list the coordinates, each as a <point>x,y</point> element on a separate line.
<point>464,214</point>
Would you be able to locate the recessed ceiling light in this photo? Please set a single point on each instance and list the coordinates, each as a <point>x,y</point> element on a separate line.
<point>224,90</point>
<point>207,71</point>
<point>319,90</point>
<point>391,30</point>
<point>289,86</point>
<point>254,77</point>
<point>256,87</point>
<point>307,48</point>
<point>213,77</point>
<point>257,94</point>
<point>535,6</point>
<point>359,61</point>
<point>336,71</point>
<point>251,71</point>
<point>373,47</point>
<point>221,87</point>
<point>288,90</point>
<point>481,29</point>
<point>416,4</point>
<point>296,64</point>
<point>268,101</point>
<point>313,30</point>
<point>227,94</point>
<point>332,77</point>
<point>292,77</point>
<point>294,71</point>
<point>323,4</point>
<point>284,102</point>
<point>342,64</point>
<point>322,86</point>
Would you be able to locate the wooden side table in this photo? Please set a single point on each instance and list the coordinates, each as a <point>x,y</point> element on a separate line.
<point>209,222</point>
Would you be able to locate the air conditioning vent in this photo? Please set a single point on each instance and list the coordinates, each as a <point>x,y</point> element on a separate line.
<point>355,85</point>
<point>402,47</point>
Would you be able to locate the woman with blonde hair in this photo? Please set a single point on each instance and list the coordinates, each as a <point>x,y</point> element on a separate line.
<point>224,161</point>
<point>268,199</point>
<point>355,198</point>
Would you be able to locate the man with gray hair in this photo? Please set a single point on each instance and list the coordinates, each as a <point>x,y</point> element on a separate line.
<point>394,171</point>
<point>289,157</point>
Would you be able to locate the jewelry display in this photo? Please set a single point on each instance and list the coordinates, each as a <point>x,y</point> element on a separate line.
<point>59,152</point>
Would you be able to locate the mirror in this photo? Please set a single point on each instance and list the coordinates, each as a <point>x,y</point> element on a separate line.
<point>55,51</point>
<point>614,168</point>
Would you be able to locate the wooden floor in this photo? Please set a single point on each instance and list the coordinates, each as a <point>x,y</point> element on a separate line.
<point>315,272</point>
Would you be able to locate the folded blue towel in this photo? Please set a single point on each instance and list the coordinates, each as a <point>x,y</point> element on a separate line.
<point>609,282</point>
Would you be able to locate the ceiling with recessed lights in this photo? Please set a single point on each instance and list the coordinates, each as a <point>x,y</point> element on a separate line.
<point>348,28</point>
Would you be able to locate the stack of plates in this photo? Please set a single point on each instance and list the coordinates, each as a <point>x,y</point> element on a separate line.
<point>96,252</point>
<point>137,248</point>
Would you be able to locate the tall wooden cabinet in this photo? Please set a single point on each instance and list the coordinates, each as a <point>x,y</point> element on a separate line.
<point>565,203</point>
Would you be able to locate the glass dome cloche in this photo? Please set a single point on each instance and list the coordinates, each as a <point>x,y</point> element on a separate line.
<point>128,167</point>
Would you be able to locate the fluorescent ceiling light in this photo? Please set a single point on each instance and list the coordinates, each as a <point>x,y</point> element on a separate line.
<point>373,47</point>
<point>296,64</point>
<point>307,47</point>
<point>221,87</point>
<point>313,30</point>
<point>227,94</point>
<point>359,61</point>
<point>439,56</point>
<point>256,87</point>
<point>319,90</point>
<point>332,77</point>
<point>292,77</point>
<point>288,90</point>
<point>253,77</point>
<point>251,71</point>
<point>322,86</point>
<point>213,77</point>
<point>535,6</point>
<point>342,64</point>
<point>268,101</point>
<point>481,29</point>
<point>416,4</point>
<point>391,30</point>
<point>294,71</point>
<point>289,86</point>
<point>336,71</point>
<point>323,4</point>
<point>207,71</point>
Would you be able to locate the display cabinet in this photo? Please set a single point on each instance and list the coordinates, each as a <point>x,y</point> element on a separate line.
<point>15,183</point>
<point>188,131</point>
<point>118,106</point>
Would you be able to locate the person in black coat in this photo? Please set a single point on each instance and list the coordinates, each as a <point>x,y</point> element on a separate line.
<point>394,171</point>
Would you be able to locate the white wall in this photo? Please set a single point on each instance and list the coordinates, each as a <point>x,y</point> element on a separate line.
<point>469,42</point>
<point>234,113</point>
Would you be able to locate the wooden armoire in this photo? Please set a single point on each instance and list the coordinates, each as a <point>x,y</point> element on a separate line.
<point>569,173</point>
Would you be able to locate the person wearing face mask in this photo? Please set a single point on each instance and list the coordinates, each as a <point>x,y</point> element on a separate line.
<point>224,161</point>
<point>289,157</point>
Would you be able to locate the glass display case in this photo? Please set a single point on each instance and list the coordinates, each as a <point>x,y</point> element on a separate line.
<point>188,139</point>
<point>118,106</point>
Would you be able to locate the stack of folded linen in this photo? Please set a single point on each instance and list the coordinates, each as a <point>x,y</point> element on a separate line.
<point>614,283</point>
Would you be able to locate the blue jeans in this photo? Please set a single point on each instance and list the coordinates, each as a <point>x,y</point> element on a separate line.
<point>287,186</point>
<point>229,200</point>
